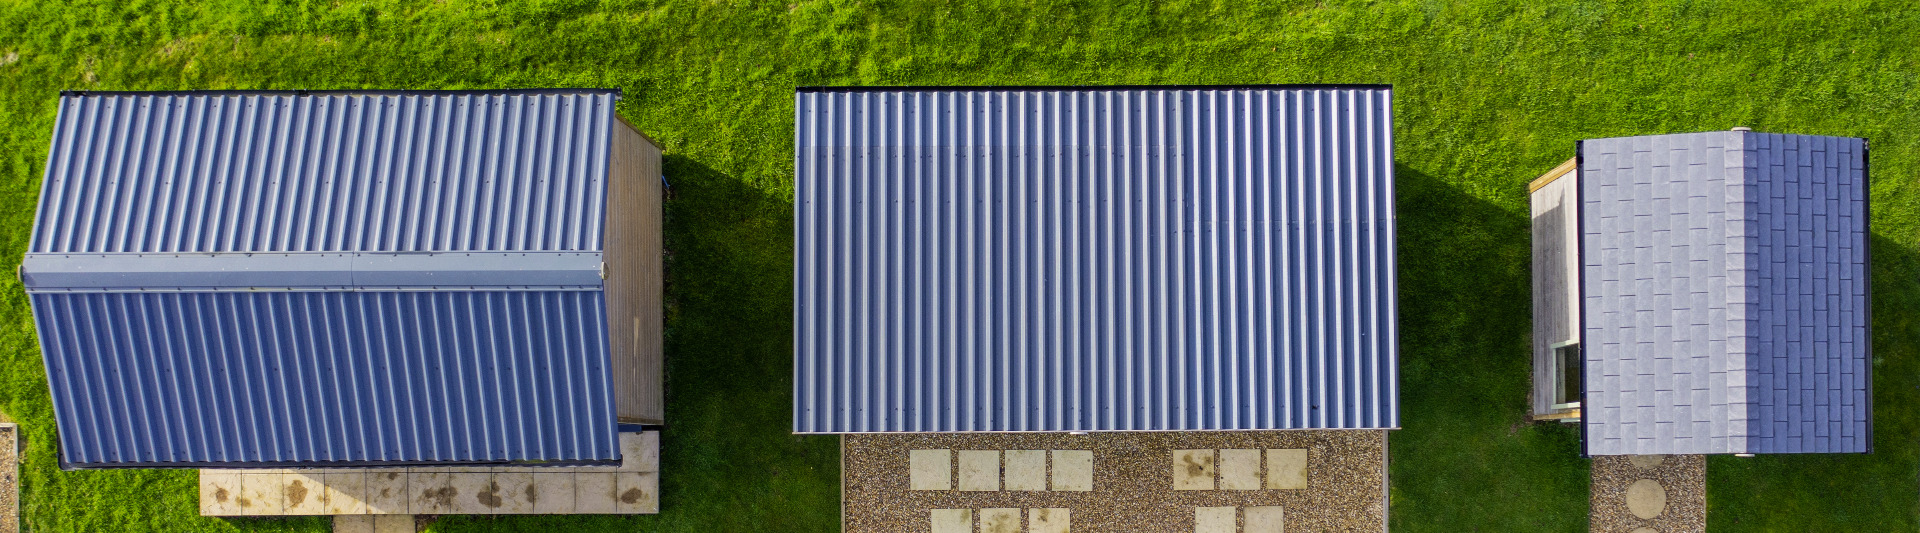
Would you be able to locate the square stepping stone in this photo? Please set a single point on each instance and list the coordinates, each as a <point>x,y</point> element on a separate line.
<point>346,492</point>
<point>1287,469</point>
<point>1215,520</point>
<point>393,523</point>
<point>1239,469</point>
<point>1193,470</point>
<point>1026,470</point>
<point>387,492</point>
<point>219,493</point>
<point>1265,520</point>
<point>930,469</point>
<point>999,520</point>
<point>979,470</point>
<point>304,493</point>
<point>1073,470</point>
<point>261,494</point>
<point>952,521</point>
<point>1049,520</point>
<point>353,524</point>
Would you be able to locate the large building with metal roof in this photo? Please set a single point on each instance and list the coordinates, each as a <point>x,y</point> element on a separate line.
<point>1706,293</point>
<point>347,278</point>
<point>1094,259</point>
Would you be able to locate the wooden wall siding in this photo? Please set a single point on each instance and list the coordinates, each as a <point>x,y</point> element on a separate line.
<point>1554,269</point>
<point>635,276</point>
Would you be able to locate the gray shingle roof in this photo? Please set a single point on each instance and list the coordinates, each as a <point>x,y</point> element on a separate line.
<point>1725,293</point>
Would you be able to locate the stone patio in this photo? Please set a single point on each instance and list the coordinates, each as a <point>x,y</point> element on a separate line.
<point>1232,482</point>
<point>1649,494</point>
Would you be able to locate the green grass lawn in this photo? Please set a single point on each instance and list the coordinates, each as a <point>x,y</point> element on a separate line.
<point>1488,95</point>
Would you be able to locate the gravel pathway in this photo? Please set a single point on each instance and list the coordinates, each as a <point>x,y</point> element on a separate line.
<point>1133,480</point>
<point>1682,480</point>
<point>9,478</point>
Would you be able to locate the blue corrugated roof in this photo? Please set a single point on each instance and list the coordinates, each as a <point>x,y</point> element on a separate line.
<point>329,278</point>
<point>1059,259</point>
<point>1725,288</point>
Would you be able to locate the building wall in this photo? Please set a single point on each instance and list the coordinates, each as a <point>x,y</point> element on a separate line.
<point>1555,277</point>
<point>635,275</point>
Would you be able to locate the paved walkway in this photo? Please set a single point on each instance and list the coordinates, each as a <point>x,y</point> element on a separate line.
<point>9,478</point>
<point>1649,494</point>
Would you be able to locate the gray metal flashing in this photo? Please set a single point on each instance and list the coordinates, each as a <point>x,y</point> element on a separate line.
<point>1726,294</point>
<point>1094,259</point>
<point>330,271</point>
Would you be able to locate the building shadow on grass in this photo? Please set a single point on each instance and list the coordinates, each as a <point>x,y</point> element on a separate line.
<point>1469,458</point>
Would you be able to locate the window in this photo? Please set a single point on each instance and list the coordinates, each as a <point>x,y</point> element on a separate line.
<point>1567,382</point>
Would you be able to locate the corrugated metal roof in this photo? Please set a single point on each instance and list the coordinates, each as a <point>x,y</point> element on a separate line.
<point>133,172</point>
<point>310,378</point>
<point>252,279</point>
<point>1724,279</point>
<point>1053,259</point>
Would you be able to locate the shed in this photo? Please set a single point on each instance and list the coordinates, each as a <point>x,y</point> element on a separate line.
<point>355,278</point>
<point>974,259</point>
<point>1706,293</point>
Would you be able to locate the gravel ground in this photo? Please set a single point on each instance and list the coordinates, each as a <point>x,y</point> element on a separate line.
<point>9,480</point>
<point>1132,480</point>
<point>1683,476</point>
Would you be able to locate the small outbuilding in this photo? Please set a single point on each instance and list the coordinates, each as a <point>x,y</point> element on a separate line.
<point>260,279</point>
<point>1706,293</point>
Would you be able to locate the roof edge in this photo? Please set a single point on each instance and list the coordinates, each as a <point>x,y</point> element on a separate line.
<point>616,92</point>
<point>920,88</point>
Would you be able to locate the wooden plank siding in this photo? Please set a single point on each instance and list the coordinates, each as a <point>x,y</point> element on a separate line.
<point>1555,275</point>
<point>635,276</point>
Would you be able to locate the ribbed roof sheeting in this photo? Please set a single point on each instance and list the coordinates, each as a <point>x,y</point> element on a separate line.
<point>1094,259</point>
<point>316,378</point>
<point>284,172</point>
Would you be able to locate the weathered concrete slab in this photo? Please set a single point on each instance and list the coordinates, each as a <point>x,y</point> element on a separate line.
<point>952,520</point>
<point>1193,470</point>
<point>1264,519</point>
<point>346,492</point>
<point>219,493</point>
<point>387,492</point>
<point>1026,470</point>
<point>930,469</point>
<point>552,492</point>
<point>1215,520</point>
<point>999,520</point>
<point>303,493</point>
<point>637,493</point>
<point>1287,469</point>
<point>594,493</point>
<point>261,494</point>
<point>1049,520</point>
<point>979,470</point>
<point>1239,469</point>
<point>1073,470</point>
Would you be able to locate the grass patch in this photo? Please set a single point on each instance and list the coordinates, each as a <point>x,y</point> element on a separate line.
<point>1488,95</point>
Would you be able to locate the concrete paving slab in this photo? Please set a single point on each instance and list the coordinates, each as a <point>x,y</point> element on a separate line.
<point>1646,462</point>
<point>552,492</point>
<point>1287,468</point>
<point>1239,469</point>
<point>638,493</point>
<point>431,492</point>
<point>1073,470</point>
<point>593,493</point>
<point>261,494</point>
<point>930,469</point>
<point>979,470</point>
<point>304,493</point>
<point>1026,470</point>
<point>387,493</point>
<point>1264,519</point>
<point>219,493</point>
<point>1193,469</point>
<point>952,520</point>
<point>640,452</point>
<point>1215,520</point>
<point>999,520</point>
<point>1049,520</point>
<point>471,493</point>
<point>394,523</point>
<point>346,492</point>
<point>515,491</point>
<point>353,524</point>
